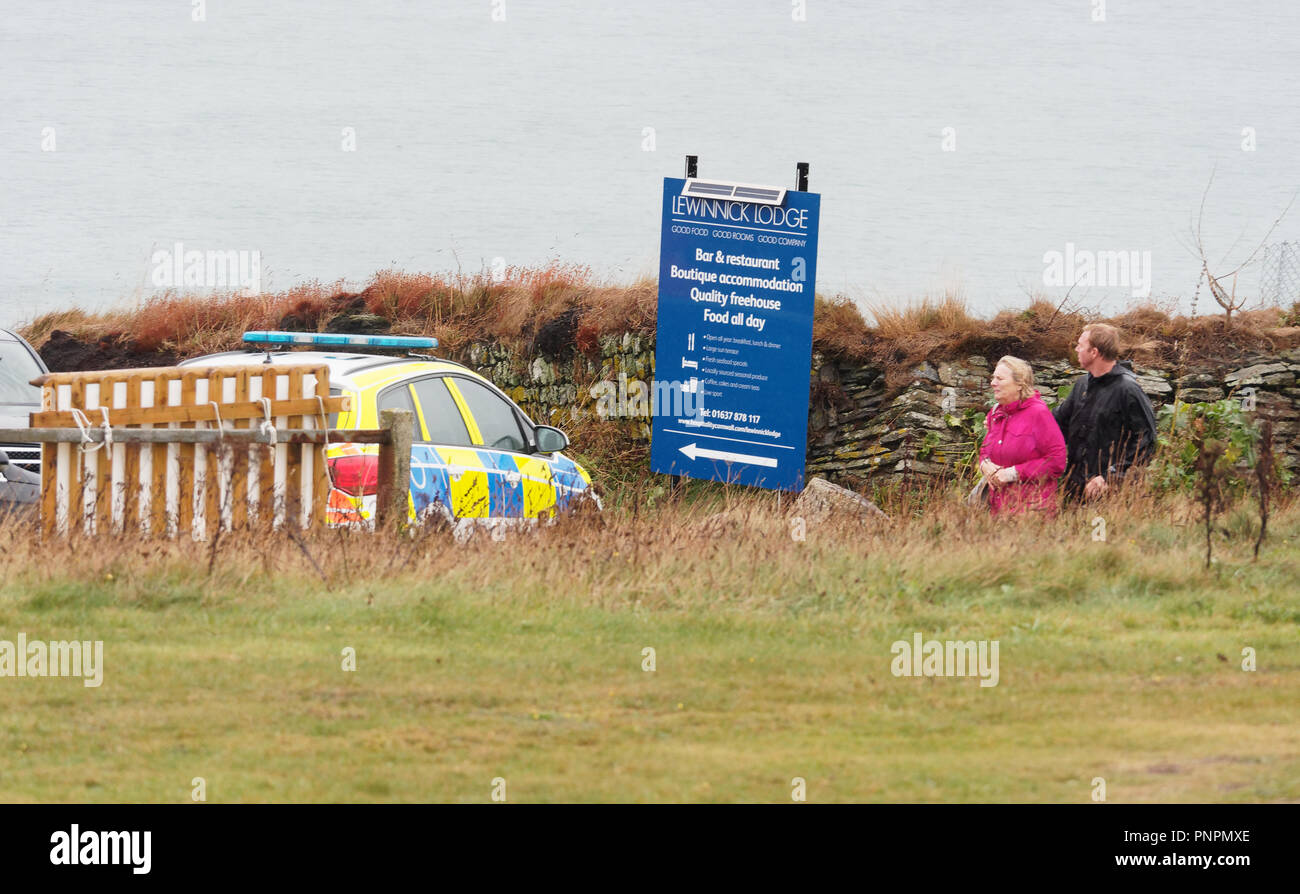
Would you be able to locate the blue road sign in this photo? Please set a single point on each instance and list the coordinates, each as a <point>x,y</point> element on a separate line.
<point>734,341</point>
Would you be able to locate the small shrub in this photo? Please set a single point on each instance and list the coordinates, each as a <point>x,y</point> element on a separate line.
<point>1179,426</point>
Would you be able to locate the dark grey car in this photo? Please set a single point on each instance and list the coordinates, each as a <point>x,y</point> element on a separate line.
<point>20,464</point>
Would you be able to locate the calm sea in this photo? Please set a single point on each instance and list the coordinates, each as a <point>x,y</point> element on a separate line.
<point>955,143</point>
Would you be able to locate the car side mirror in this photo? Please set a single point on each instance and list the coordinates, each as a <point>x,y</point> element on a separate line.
<point>550,440</point>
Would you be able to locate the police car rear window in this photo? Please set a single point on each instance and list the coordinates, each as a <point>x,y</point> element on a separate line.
<point>396,398</point>
<point>441,417</point>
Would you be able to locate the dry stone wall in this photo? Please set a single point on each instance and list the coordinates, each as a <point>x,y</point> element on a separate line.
<point>858,431</point>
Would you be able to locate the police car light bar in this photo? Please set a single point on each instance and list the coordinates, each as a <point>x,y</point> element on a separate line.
<point>402,342</point>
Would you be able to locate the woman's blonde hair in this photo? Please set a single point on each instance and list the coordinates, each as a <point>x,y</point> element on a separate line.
<point>1021,373</point>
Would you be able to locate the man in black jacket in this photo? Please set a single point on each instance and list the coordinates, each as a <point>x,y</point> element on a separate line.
<point>1107,420</point>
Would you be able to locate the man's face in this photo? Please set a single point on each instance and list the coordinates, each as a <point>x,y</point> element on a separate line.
<point>1085,352</point>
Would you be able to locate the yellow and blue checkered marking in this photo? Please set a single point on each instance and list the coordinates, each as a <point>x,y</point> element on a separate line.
<point>468,482</point>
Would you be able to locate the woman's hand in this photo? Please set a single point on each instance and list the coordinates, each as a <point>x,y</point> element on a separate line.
<point>988,467</point>
<point>1006,476</point>
<point>1096,487</point>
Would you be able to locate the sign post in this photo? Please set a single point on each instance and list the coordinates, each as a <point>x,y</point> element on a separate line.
<point>737,274</point>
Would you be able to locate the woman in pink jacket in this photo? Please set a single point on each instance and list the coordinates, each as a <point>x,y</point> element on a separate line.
<point>1023,453</point>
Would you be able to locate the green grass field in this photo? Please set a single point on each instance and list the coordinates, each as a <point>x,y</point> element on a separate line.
<point>523,660</point>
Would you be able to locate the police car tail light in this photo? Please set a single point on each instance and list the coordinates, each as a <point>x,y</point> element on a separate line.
<point>338,340</point>
<point>356,475</point>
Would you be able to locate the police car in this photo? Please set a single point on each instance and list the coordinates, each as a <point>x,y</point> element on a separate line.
<point>476,458</point>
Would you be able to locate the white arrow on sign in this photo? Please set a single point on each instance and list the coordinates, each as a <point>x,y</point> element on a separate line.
<point>699,452</point>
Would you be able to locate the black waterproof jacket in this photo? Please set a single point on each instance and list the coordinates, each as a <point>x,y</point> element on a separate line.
<point>1109,427</point>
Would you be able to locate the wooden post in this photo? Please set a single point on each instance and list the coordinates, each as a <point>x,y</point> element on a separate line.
<point>801,177</point>
<point>394,469</point>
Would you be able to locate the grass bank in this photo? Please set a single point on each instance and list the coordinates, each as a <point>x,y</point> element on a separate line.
<point>524,660</point>
<point>561,310</point>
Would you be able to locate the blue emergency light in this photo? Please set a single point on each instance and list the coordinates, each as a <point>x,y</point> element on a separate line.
<point>401,342</point>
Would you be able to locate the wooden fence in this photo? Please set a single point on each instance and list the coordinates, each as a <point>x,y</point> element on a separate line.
<point>176,451</point>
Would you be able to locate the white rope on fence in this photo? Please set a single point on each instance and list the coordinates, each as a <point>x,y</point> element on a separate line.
<point>324,417</point>
<point>221,434</point>
<point>108,429</point>
<point>267,427</point>
<point>89,444</point>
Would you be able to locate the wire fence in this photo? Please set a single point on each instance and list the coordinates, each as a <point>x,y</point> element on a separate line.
<point>1280,276</point>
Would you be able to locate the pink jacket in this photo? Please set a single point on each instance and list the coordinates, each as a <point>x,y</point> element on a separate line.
<point>1024,434</point>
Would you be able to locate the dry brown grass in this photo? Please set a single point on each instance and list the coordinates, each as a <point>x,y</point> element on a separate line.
<point>944,329</point>
<point>515,308</point>
<point>38,331</point>
<point>947,316</point>
<point>646,519</point>
<point>561,309</point>
<point>839,330</point>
